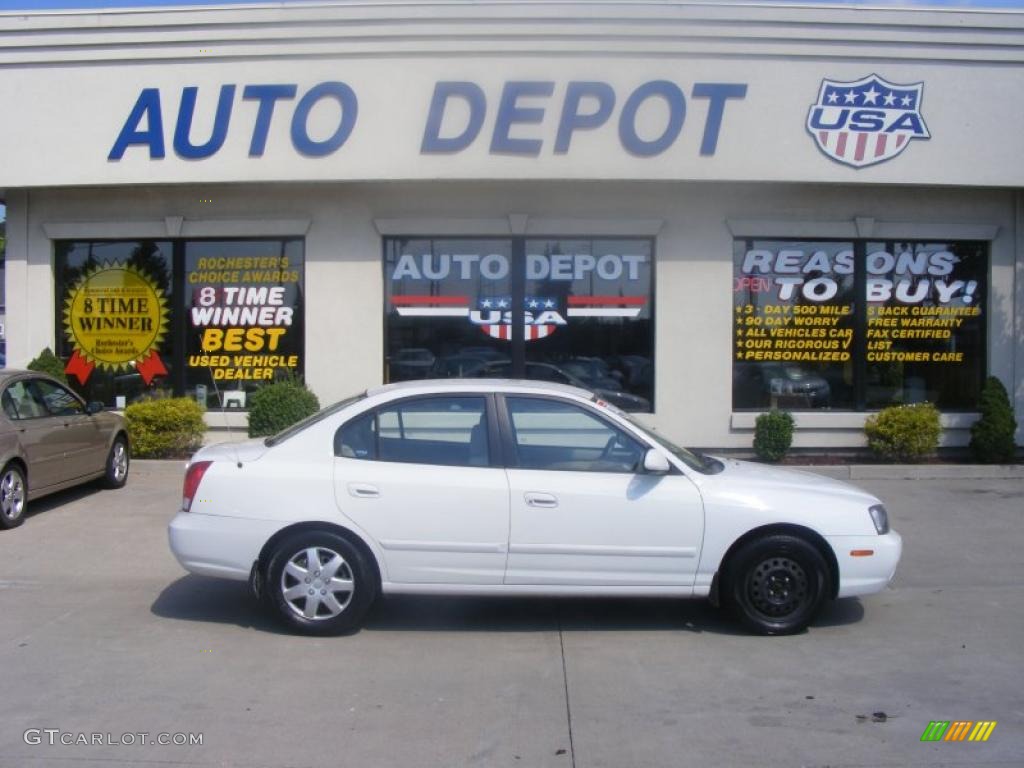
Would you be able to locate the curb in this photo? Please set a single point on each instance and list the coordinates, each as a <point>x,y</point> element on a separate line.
<point>917,471</point>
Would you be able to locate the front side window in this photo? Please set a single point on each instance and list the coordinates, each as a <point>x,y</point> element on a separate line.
<point>556,435</point>
<point>450,431</point>
<point>58,400</point>
<point>586,309</point>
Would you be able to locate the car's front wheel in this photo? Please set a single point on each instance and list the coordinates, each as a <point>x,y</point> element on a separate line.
<point>777,584</point>
<point>320,583</point>
<point>13,496</point>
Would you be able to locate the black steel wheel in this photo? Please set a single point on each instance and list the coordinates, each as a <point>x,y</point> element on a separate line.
<point>777,584</point>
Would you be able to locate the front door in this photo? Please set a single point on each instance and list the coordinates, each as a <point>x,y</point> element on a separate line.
<point>582,512</point>
<point>418,476</point>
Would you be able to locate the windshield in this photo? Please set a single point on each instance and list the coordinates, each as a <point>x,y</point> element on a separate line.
<point>693,459</point>
<point>297,427</point>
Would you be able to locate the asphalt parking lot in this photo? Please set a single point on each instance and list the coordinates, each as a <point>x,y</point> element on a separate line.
<point>102,632</point>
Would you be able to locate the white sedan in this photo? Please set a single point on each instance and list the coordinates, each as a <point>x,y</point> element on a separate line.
<point>484,487</point>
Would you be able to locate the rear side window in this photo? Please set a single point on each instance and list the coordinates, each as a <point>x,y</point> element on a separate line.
<point>451,431</point>
<point>20,401</point>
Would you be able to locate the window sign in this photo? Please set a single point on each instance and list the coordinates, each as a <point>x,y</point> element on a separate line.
<point>213,319</point>
<point>585,307</point>
<point>244,325</point>
<point>857,324</point>
<point>115,317</point>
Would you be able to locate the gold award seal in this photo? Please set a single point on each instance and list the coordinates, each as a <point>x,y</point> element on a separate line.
<point>115,317</point>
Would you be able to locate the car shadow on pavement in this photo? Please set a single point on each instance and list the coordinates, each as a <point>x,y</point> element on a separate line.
<point>218,601</point>
<point>61,498</point>
<point>197,598</point>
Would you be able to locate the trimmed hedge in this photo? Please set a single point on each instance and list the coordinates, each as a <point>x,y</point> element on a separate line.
<point>49,363</point>
<point>904,433</point>
<point>773,435</point>
<point>278,406</point>
<point>992,440</point>
<point>169,428</point>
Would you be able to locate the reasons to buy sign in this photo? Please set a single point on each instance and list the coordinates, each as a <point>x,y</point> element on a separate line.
<point>802,305</point>
<point>115,317</point>
<point>243,313</point>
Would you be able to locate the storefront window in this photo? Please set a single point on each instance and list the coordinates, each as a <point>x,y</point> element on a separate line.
<point>586,308</point>
<point>925,323</point>
<point>857,325</point>
<point>245,317</point>
<point>115,317</point>
<point>793,307</point>
<point>212,319</point>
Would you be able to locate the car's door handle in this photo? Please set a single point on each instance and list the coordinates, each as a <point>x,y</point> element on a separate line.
<point>363,491</point>
<point>534,499</point>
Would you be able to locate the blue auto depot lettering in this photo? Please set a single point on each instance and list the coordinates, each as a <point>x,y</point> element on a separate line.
<point>148,110</point>
<point>586,106</point>
<point>512,112</point>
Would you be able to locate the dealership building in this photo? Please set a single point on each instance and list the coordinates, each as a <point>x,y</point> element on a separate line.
<point>698,210</point>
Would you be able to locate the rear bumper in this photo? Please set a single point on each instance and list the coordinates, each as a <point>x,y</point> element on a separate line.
<point>223,547</point>
<point>866,574</point>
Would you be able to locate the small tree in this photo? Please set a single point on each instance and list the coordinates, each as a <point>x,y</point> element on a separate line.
<point>773,435</point>
<point>992,435</point>
<point>904,432</point>
<point>277,406</point>
<point>49,363</point>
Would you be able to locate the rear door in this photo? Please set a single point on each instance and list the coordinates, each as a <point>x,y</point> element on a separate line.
<point>420,475</point>
<point>583,512</point>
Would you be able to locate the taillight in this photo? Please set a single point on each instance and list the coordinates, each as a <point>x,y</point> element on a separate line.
<point>193,476</point>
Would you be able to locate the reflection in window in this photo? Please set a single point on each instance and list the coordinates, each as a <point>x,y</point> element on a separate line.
<point>804,339</point>
<point>587,307</point>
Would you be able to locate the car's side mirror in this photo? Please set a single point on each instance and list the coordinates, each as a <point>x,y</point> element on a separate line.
<point>655,462</point>
<point>94,407</point>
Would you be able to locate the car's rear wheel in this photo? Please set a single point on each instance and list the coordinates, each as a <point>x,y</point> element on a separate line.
<point>319,583</point>
<point>118,460</point>
<point>13,496</point>
<point>777,584</point>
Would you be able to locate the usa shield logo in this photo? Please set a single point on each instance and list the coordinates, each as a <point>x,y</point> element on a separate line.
<point>867,121</point>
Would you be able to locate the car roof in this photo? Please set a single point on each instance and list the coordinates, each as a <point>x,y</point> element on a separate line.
<point>440,386</point>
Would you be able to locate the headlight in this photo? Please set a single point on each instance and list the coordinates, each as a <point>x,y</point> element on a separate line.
<point>880,518</point>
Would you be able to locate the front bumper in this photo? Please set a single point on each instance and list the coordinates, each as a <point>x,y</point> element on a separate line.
<point>223,547</point>
<point>866,574</point>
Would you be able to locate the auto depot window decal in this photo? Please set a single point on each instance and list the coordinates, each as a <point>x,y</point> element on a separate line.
<point>858,324</point>
<point>570,310</point>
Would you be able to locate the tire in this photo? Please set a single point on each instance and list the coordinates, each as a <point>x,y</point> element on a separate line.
<point>777,584</point>
<point>13,496</point>
<point>299,597</point>
<point>118,460</point>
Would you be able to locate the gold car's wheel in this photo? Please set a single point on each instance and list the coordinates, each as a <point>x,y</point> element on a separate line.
<point>12,497</point>
<point>117,464</point>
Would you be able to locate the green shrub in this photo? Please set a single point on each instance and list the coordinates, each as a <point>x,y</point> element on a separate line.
<point>277,406</point>
<point>165,429</point>
<point>49,363</point>
<point>773,434</point>
<point>992,435</point>
<point>904,432</point>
